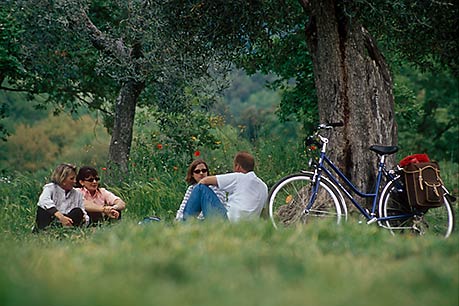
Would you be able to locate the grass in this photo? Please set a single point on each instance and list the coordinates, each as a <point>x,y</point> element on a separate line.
<point>207,263</point>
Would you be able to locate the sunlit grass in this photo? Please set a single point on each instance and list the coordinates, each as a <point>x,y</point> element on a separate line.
<point>205,263</point>
<point>215,263</point>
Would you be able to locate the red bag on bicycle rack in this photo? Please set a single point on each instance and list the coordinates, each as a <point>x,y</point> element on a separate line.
<point>423,184</point>
<point>415,158</point>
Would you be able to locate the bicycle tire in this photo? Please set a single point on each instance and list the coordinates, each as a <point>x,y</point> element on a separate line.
<point>438,221</point>
<point>288,199</point>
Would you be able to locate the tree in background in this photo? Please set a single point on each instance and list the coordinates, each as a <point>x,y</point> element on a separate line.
<point>154,50</point>
<point>352,80</point>
<point>10,32</point>
<point>117,55</point>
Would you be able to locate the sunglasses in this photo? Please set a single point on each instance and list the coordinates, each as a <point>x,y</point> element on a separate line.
<point>197,171</point>
<point>92,179</point>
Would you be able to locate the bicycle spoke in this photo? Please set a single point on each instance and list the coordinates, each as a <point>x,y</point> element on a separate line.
<point>289,198</point>
<point>439,221</point>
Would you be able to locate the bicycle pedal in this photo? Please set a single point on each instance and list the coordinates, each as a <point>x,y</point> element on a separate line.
<point>372,220</point>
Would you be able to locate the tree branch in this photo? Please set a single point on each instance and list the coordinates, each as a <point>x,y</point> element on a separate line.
<point>104,43</point>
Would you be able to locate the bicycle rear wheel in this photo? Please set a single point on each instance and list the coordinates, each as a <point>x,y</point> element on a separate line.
<point>393,202</point>
<point>290,196</point>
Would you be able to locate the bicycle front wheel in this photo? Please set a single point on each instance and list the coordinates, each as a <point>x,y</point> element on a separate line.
<point>394,204</point>
<point>289,197</point>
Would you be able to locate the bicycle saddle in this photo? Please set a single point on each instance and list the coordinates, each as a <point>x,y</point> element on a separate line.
<point>384,150</point>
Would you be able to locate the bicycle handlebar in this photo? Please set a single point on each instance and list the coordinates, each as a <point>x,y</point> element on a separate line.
<point>330,125</point>
<point>314,139</point>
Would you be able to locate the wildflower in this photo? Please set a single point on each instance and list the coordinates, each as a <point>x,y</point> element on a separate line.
<point>197,153</point>
<point>175,168</point>
<point>159,146</point>
<point>193,138</point>
<point>104,169</point>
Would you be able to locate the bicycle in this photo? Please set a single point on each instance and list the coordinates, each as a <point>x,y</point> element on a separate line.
<point>318,194</point>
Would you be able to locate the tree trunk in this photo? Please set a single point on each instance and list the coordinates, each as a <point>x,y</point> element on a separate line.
<point>354,86</point>
<point>120,144</point>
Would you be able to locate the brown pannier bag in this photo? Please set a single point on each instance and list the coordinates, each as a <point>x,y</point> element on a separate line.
<point>424,186</point>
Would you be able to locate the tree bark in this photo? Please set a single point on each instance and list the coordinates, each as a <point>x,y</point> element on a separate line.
<point>126,102</point>
<point>354,86</point>
<point>120,143</point>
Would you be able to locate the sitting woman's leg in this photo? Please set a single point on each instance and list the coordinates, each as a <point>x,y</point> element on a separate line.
<point>77,216</point>
<point>204,199</point>
<point>43,218</point>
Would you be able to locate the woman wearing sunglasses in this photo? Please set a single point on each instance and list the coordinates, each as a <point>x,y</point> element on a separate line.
<point>197,170</point>
<point>100,203</point>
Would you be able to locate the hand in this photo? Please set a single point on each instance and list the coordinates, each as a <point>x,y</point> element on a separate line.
<point>111,212</point>
<point>114,214</point>
<point>66,221</point>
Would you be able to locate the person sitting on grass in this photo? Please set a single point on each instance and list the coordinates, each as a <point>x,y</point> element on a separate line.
<point>247,193</point>
<point>197,170</point>
<point>100,203</point>
<point>59,201</point>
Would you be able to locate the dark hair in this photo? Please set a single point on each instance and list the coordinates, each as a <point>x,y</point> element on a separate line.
<point>245,160</point>
<point>189,174</point>
<point>84,173</point>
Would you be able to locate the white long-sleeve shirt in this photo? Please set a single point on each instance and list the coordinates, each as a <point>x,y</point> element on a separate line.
<point>53,196</point>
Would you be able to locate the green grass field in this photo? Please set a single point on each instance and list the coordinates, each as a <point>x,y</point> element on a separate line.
<point>206,263</point>
<point>214,264</point>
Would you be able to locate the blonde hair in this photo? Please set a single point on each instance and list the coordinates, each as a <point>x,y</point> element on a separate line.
<point>62,172</point>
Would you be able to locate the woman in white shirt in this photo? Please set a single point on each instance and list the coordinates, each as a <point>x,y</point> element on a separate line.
<point>60,201</point>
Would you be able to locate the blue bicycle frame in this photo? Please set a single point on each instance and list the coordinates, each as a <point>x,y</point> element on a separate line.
<point>370,216</point>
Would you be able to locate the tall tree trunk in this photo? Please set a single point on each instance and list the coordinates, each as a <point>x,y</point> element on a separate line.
<point>354,86</point>
<point>120,144</point>
<point>126,102</point>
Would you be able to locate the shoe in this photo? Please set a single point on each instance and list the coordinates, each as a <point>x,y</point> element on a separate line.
<point>150,219</point>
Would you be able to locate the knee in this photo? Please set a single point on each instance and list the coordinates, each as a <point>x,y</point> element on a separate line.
<point>201,188</point>
<point>77,211</point>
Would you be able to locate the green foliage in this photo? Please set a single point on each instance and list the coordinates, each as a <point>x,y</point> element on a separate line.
<point>168,142</point>
<point>54,139</point>
<point>10,32</point>
<point>427,113</point>
<point>421,32</point>
<point>18,202</point>
<point>158,196</point>
<point>249,104</point>
<point>285,54</point>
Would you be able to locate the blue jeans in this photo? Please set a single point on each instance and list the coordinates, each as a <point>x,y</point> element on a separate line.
<point>204,199</point>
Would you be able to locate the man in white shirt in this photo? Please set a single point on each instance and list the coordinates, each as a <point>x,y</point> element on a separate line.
<point>247,193</point>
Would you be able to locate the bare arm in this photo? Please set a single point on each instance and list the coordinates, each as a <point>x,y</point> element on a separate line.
<point>209,180</point>
<point>92,207</point>
<point>119,205</point>
<point>107,210</point>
